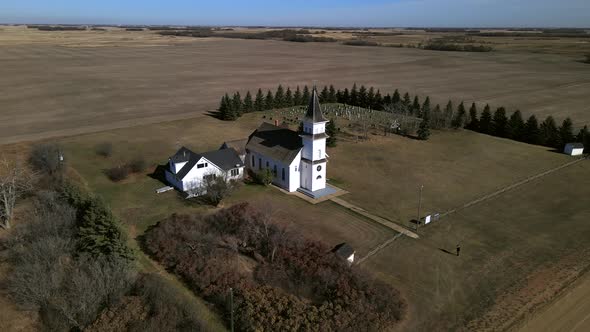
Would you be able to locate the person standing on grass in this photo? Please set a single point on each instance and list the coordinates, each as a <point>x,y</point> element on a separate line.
<point>458,249</point>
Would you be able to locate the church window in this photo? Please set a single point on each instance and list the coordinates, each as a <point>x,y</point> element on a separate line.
<point>319,177</point>
<point>259,163</point>
<point>283,174</point>
<point>235,172</point>
<point>267,164</point>
<point>295,168</point>
<point>320,153</point>
<point>319,168</point>
<point>253,161</point>
<point>274,171</point>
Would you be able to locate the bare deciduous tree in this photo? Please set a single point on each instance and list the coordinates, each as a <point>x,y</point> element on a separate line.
<point>15,181</point>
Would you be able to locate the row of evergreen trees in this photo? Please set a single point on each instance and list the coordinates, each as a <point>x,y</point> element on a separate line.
<point>231,108</point>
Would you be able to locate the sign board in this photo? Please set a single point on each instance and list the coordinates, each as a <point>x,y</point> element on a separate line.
<point>427,220</point>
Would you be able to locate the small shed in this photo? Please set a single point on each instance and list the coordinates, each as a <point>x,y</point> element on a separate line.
<point>345,251</point>
<point>574,149</point>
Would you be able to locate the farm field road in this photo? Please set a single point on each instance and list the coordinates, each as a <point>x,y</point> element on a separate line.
<point>49,90</point>
<point>570,313</point>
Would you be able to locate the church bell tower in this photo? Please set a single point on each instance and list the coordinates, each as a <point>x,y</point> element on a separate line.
<point>313,154</point>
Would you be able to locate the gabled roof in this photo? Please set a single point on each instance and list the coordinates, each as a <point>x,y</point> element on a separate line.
<point>239,145</point>
<point>278,143</point>
<point>343,250</point>
<point>314,111</point>
<point>225,159</point>
<point>576,145</point>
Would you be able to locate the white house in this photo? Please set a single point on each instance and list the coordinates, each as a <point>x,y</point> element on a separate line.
<point>574,149</point>
<point>297,160</point>
<point>187,170</point>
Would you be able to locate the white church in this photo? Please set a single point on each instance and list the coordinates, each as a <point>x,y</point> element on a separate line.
<point>297,160</point>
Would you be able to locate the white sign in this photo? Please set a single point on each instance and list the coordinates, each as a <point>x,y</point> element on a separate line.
<point>427,220</point>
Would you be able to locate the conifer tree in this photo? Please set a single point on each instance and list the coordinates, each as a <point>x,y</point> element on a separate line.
<point>346,97</point>
<point>298,97</point>
<point>289,98</point>
<point>332,95</point>
<point>354,96</point>
<point>269,101</point>
<point>378,104</point>
<point>500,122</point>
<point>237,106</point>
<point>324,95</point>
<point>248,103</point>
<point>425,107</point>
<point>396,97</point>
<point>473,123</point>
<point>448,116</point>
<point>437,118</point>
<point>371,98</point>
<point>362,97</point>
<point>584,137</point>
<point>331,132</point>
<point>424,128</point>
<point>280,97</point>
<point>415,110</point>
<point>549,133</point>
<point>566,134</point>
<point>485,121</point>
<point>531,131</point>
<point>223,109</point>
<point>460,116</point>
<point>259,101</point>
<point>306,95</point>
<point>516,127</point>
<point>406,102</point>
<point>387,100</point>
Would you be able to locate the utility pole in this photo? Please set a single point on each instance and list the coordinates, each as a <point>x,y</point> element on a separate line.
<point>419,206</point>
<point>231,308</point>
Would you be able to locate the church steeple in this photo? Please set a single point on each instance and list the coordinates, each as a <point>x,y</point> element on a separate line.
<point>314,111</point>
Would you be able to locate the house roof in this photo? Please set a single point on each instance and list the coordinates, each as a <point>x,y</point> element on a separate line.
<point>225,159</point>
<point>576,145</point>
<point>278,143</point>
<point>314,111</point>
<point>343,250</point>
<point>239,145</point>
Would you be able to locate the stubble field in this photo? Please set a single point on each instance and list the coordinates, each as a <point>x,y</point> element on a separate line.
<point>65,83</point>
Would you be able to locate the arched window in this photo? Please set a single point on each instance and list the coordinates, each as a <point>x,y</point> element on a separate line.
<point>253,160</point>
<point>283,174</point>
<point>319,177</point>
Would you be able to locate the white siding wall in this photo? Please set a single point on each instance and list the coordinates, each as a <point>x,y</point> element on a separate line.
<point>291,181</point>
<point>195,176</point>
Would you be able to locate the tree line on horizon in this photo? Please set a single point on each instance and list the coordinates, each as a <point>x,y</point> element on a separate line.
<point>546,133</point>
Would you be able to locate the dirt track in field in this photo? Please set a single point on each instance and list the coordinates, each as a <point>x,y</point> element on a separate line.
<point>570,313</point>
<point>53,88</point>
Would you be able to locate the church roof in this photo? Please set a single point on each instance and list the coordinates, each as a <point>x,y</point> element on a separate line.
<point>314,111</point>
<point>278,143</point>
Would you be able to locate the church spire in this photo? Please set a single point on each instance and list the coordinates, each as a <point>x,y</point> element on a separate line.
<point>314,111</point>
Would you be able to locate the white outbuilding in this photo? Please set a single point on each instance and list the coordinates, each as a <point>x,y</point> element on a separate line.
<point>574,149</point>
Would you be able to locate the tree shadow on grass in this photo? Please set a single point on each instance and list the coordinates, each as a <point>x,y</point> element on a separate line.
<point>214,114</point>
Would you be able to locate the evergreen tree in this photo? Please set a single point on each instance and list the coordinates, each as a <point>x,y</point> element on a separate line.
<point>448,116</point>
<point>362,97</point>
<point>387,100</point>
<point>415,109</point>
<point>269,101</point>
<point>584,137</point>
<point>549,133</point>
<point>425,107</point>
<point>424,129</point>
<point>378,104</point>
<point>460,116</point>
<point>473,123</point>
<point>346,97</point>
<point>485,121</point>
<point>406,102</point>
<point>237,106</point>
<point>306,95</point>
<point>354,96</point>
<point>371,99</point>
<point>223,109</point>
<point>531,131</point>
<point>248,103</point>
<point>280,97</point>
<point>566,134</point>
<point>516,126</point>
<point>259,101</point>
<point>332,95</point>
<point>298,97</point>
<point>331,132</point>
<point>396,97</point>
<point>324,95</point>
<point>500,123</point>
<point>289,98</point>
<point>437,118</point>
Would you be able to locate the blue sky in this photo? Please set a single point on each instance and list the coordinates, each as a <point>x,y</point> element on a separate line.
<point>438,13</point>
